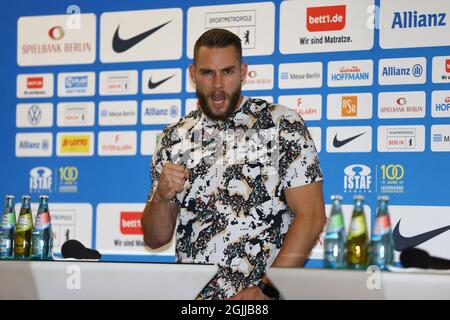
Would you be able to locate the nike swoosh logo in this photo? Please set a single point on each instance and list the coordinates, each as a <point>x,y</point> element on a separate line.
<point>401,242</point>
<point>339,143</point>
<point>153,85</point>
<point>121,45</point>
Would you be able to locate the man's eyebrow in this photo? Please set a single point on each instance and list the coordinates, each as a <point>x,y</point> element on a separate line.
<point>225,68</point>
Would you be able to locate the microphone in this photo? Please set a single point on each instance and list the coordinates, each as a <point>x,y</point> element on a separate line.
<point>75,249</point>
<point>417,258</point>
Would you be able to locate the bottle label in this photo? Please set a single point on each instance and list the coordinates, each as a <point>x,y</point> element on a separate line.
<point>335,223</point>
<point>25,222</point>
<point>382,226</point>
<point>5,247</point>
<point>8,221</point>
<point>42,221</point>
<point>358,226</point>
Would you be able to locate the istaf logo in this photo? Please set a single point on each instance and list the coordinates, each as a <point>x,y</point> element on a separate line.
<point>357,178</point>
<point>41,180</point>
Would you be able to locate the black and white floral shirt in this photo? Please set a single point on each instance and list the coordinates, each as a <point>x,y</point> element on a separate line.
<point>232,211</point>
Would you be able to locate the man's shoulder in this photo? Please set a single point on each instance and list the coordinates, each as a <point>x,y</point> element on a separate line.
<point>277,112</point>
<point>172,132</point>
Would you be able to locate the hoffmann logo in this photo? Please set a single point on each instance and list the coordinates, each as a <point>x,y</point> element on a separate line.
<point>130,223</point>
<point>329,18</point>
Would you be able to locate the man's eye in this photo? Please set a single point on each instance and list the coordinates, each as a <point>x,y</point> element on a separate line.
<point>206,73</point>
<point>228,71</point>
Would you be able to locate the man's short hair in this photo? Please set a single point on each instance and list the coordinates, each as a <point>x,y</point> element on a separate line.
<point>218,38</point>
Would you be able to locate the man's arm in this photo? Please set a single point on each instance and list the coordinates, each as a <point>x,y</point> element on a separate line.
<point>160,214</point>
<point>308,206</point>
<point>158,221</point>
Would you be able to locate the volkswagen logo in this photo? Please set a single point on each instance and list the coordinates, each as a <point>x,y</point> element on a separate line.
<point>34,114</point>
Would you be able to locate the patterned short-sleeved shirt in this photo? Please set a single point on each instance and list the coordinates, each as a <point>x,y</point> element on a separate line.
<point>232,210</point>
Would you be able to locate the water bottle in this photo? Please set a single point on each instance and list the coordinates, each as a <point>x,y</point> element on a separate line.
<point>7,229</point>
<point>22,237</point>
<point>382,243</point>
<point>335,237</point>
<point>357,243</point>
<point>42,232</point>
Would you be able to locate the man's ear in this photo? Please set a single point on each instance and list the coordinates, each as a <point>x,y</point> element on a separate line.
<point>244,69</point>
<point>192,72</point>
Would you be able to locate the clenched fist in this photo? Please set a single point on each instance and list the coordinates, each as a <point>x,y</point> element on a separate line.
<point>171,181</point>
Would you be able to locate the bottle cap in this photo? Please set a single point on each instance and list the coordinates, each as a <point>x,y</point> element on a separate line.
<point>336,197</point>
<point>26,196</point>
<point>358,197</point>
<point>383,198</point>
<point>10,196</point>
<point>43,196</point>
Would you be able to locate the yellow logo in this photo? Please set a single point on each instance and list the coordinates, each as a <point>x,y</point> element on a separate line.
<point>393,171</point>
<point>76,144</point>
<point>349,106</point>
<point>68,174</point>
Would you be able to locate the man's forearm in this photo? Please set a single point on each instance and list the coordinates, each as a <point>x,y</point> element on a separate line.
<point>158,222</point>
<point>299,241</point>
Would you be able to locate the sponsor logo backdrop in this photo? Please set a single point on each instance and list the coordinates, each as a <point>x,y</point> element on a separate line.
<point>87,89</point>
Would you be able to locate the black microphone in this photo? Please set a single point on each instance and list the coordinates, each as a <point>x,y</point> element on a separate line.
<point>75,249</point>
<point>418,258</point>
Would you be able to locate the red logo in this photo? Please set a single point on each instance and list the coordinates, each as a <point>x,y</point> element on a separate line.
<point>35,82</point>
<point>401,101</point>
<point>447,65</point>
<point>329,18</point>
<point>56,33</point>
<point>252,74</point>
<point>130,222</point>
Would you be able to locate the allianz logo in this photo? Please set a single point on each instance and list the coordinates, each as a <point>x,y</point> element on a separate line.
<point>172,111</point>
<point>413,19</point>
<point>416,71</point>
<point>29,145</point>
<point>76,82</point>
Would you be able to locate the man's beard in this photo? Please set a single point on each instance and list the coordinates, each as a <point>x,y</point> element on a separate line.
<point>209,112</point>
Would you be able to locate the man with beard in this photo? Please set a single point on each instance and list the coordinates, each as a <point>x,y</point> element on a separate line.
<point>241,176</point>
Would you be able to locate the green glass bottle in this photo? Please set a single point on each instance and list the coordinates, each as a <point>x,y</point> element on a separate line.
<point>334,246</point>
<point>358,237</point>
<point>24,228</point>
<point>7,229</point>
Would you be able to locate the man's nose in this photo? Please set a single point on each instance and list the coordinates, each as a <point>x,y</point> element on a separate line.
<point>218,81</point>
